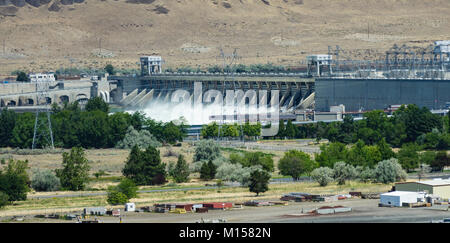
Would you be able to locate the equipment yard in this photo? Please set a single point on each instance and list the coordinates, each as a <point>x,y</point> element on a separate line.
<point>362,211</point>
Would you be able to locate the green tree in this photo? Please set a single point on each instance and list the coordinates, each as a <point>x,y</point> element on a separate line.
<point>75,172</point>
<point>258,158</point>
<point>94,129</point>
<point>116,197</point>
<point>291,130</point>
<point>4,199</point>
<point>14,181</point>
<point>295,163</point>
<point>97,103</point>
<point>22,133</point>
<point>172,133</point>
<point>331,154</point>
<point>259,181</point>
<point>208,171</point>
<point>181,170</point>
<point>281,130</point>
<point>109,68</point>
<point>385,150</point>
<point>210,131</point>
<point>408,156</point>
<point>427,157</point>
<point>7,124</point>
<point>128,188</point>
<point>145,167</point>
<point>440,161</point>
<point>119,125</point>
<point>22,77</point>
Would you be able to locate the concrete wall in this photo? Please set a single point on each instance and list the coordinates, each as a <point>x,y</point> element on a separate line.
<point>371,94</point>
<point>16,88</point>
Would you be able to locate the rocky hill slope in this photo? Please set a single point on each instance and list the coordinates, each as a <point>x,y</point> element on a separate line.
<point>38,35</point>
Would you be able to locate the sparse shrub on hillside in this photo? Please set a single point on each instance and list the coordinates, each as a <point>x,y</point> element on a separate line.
<point>389,171</point>
<point>206,150</point>
<point>236,173</point>
<point>45,181</point>
<point>343,172</point>
<point>367,174</point>
<point>142,139</point>
<point>322,175</point>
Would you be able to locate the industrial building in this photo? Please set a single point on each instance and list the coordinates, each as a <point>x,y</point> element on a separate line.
<point>397,198</point>
<point>436,187</point>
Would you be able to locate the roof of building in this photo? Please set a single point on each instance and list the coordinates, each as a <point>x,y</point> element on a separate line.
<point>439,182</point>
<point>398,193</point>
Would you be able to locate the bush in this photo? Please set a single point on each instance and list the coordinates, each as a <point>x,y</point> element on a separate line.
<point>367,174</point>
<point>45,181</point>
<point>343,172</point>
<point>4,199</point>
<point>295,163</point>
<point>389,171</point>
<point>206,150</point>
<point>236,173</point>
<point>142,139</point>
<point>115,197</point>
<point>322,175</point>
<point>128,188</point>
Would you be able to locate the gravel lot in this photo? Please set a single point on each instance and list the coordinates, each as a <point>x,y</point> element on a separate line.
<point>363,211</point>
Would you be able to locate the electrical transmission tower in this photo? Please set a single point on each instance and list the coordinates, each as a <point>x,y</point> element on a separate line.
<point>42,125</point>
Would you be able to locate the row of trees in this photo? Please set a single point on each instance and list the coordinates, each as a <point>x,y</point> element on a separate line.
<point>248,130</point>
<point>296,163</point>
<point>91,127</point>
<point>409,155</point>
<point>409,124</point>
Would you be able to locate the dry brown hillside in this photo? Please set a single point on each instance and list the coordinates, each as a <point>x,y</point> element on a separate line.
<point>39,35</point>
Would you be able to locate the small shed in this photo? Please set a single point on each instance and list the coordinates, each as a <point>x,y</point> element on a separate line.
<point>397,198</point>
<point>130,207</point>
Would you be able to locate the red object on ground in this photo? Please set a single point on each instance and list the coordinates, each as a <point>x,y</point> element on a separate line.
<point>187,207</point>
<point>217,205</point>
